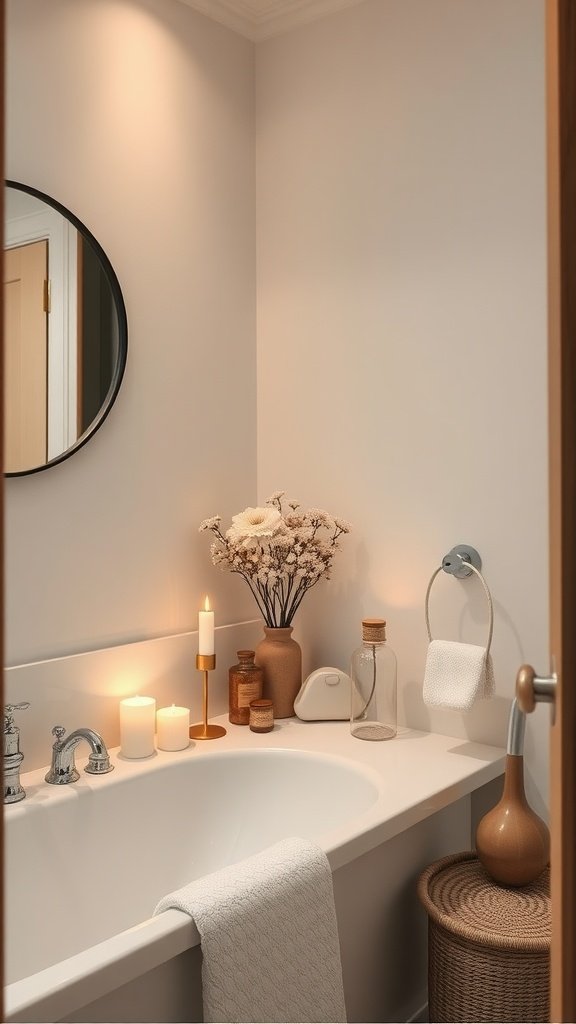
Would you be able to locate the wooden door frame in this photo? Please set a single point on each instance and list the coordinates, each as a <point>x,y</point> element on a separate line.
<point>2,165</point>
<point>561,140</point>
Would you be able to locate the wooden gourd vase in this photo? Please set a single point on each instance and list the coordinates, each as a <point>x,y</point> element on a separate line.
<point>281,658</point>
<point>512,842</point>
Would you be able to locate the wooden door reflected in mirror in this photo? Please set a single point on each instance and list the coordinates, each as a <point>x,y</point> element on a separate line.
<point>66,332</point>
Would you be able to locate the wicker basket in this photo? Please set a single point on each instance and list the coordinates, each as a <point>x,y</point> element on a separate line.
<point>488,946</point>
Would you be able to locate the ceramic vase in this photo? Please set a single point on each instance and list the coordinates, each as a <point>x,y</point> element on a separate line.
<point>281,658</point>
<point>512,842</point>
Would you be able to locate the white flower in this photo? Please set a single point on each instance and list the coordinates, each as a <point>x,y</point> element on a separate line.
<point>343,525</point>
<point>282,540</point>
<point>293,521</point>
<point>318,515</point>
<point>209,524</point>
<point>219,557</point>
<point>309,558</point>
<point>254,522</point>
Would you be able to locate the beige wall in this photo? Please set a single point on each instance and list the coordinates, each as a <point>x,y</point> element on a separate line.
<point>402,325</point>
<point>401,320</point>
<point>138,116</point>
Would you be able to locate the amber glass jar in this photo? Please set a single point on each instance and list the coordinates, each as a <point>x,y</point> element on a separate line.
<point>245,681</point>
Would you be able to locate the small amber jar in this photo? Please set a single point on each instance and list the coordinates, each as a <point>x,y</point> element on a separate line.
<point>261,716</point>
<point>245,682</point>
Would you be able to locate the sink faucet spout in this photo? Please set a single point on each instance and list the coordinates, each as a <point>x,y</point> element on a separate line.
<point>63,770</point>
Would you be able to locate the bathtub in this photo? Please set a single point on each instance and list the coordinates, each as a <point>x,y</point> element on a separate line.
<point>87,863</point>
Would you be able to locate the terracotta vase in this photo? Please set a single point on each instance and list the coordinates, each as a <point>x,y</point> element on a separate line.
<point>281,658</point>
<point>512,842</point>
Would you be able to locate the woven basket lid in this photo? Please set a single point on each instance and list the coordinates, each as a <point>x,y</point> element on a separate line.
<point>460,896</point>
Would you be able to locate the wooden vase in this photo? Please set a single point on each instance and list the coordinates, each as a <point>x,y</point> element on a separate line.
<point>512,842</point>
<point>281,658</point>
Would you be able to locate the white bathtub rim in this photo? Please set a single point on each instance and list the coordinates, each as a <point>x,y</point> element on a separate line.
<point>40,795</point>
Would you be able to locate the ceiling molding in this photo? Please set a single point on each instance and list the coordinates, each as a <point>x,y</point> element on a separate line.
<point>219,10</point>
<point>260,19</point>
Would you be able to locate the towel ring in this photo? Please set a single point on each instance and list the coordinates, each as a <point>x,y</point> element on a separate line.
<point>473,569</point>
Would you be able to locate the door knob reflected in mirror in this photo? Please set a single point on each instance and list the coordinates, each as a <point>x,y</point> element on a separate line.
<point>532,689</point>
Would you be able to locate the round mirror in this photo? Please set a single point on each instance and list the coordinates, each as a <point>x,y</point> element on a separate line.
<point>65,332</point>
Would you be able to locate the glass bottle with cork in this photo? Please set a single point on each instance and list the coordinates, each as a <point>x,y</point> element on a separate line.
<point>245,682</point>
<point>373,714</point>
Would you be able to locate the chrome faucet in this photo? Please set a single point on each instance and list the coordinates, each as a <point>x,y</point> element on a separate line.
<point>63,770</point>
<point>13,789</point>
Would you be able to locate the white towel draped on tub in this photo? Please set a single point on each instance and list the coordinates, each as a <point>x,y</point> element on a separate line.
<point>270,949</point>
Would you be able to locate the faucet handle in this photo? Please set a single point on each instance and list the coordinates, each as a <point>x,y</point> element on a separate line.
<point>58,731</point>
<point>9,723</point>
<point>13,756</point>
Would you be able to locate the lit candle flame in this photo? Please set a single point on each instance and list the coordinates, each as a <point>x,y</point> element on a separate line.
<point>206,604</point>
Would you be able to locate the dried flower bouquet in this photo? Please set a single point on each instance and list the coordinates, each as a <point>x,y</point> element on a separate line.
<point>281,551</point>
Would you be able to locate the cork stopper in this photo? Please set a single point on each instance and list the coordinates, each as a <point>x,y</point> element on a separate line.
<point>374,631</point>
<point>245,655</point>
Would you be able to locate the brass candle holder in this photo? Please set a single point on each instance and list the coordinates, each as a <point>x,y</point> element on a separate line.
<point>202,731</point>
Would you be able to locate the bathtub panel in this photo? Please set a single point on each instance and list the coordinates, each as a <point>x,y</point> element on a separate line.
<point>171,992</point>
<point>382,926</point>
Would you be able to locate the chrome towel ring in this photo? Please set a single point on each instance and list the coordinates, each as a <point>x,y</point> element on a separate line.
<point>461,561</point>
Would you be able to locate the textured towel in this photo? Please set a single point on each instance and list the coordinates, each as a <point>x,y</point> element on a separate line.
<point>457,675</point>
<point>270,948</point>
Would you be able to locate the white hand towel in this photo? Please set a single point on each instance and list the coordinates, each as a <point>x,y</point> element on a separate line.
<point>457,675</point>
<point>269,937</point>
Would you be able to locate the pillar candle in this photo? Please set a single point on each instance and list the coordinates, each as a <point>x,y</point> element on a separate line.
<point>137,721</point>
<point>206,630</point>
<point>172,728</point>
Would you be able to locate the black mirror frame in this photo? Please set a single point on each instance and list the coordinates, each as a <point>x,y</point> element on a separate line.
<point>122,328</point>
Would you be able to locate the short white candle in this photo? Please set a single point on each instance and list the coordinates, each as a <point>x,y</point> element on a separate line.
<point>137,721</point>
<point>206,630</point>
<point>172,728</point>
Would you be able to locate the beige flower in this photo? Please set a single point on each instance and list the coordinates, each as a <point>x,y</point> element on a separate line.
<point>343,525</point>
<point>318,515</point>
<point>282,540</point>
<point>254,522</point>
<point>209,524</point>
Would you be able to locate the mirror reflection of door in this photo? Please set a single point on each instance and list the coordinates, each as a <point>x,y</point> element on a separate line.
<point>26,355</point>
<point>57,398</point>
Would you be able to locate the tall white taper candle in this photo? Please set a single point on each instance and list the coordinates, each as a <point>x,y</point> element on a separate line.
<point>206,629</point>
